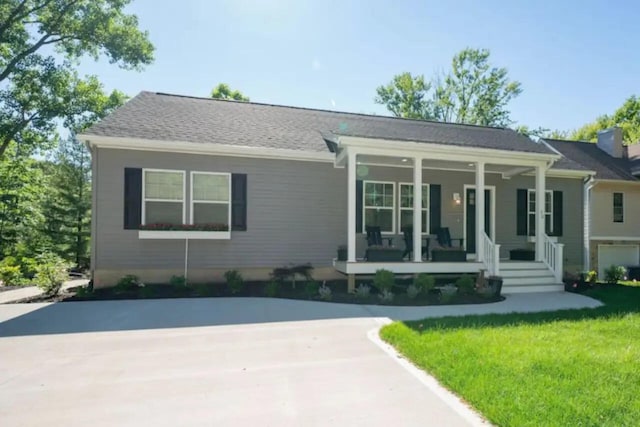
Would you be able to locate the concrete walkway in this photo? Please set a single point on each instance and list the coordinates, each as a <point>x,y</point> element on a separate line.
<point>21,293</point>
<point>224,362</point>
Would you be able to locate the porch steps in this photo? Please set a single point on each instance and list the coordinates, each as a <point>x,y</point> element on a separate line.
<point>527,276</point>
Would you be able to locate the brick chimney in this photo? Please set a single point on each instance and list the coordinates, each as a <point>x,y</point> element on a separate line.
<point>610,141</point>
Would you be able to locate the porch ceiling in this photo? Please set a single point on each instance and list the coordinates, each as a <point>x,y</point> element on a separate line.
<point>406,162</point>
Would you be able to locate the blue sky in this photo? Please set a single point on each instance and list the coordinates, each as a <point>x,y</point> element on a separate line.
<point>575,59</point>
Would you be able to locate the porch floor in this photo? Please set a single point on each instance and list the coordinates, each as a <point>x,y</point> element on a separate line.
<point>406,267</point>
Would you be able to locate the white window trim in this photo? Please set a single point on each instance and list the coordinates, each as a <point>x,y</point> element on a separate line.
<point>529,213</point>
<point>144,193</point>
<point>613,211</point>
<point>400,208</point>
<point>193,201</point>
<point>392,209</point>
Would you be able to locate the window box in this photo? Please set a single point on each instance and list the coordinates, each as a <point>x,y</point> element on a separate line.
<point>448,255</point>
<point>184,234</point>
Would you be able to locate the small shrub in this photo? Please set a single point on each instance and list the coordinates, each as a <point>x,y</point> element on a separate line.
<point>11,275</point>
<point>51,273</point>
<point>84,291</point>
<point>465,284</point>
<point>363,291</point>
<point>614,274</point>
<point>383,280</point>
<point>424,282</point>
<point>413,291</point>
<point>592,277</point>
<point>325,292</point>
<point>234,281</point>
<point>386,296</point>
<point>311,288</point>
<point>178,281</point>
<point>272,289</point>
<point>128,282</point>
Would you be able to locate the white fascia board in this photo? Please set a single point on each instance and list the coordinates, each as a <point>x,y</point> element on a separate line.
<point>621,182</point>
<point>394,148</point>
<point>568,173</point>
<point>204,148</point>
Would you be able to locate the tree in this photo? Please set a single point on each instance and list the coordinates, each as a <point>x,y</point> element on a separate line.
<point>627,117</point>
<point>38,87</point>
<point>67,208</point>
<point>472,92</point>
<point>223,91</point>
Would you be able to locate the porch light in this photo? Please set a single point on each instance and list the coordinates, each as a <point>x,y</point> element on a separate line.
<point>405,160</point>
<point>456,198</point>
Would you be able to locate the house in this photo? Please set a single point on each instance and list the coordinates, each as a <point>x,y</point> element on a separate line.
<point>261,186</point>
<point>612,232</point>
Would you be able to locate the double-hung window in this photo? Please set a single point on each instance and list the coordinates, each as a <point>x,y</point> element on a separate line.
<point>379,205</point>
<point>618,207</point>
<point>210,198</point>
<point>406,207</point>
<point>548,211</point>
<point>163,197</point>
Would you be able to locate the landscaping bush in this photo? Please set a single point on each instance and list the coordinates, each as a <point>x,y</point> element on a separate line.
<point>51,273</point>
<point>178,281</point>
<point>311,288</point>
<point>592,277</point>
<point>614,274</point>
<point>424,282</point>
<point>325,292</point>
<point>413,291</point>
<point>383,280</point>
<point>466,284</point>
<point>272,289</point>
<point>386,296</point>
<point>11,275</point>
<point>363,290</point>
<point>234,281</point>
<point>129,282</point>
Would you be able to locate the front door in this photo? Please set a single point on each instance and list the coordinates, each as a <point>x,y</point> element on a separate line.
<point>470,213</point>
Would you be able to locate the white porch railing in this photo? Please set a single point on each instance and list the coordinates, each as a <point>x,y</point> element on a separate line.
<point>552,256</point>
<point>491,255</point>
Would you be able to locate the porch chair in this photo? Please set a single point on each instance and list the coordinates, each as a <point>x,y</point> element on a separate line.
<point>445,240</point>
<point>374,236</point>
<point>408,241</point>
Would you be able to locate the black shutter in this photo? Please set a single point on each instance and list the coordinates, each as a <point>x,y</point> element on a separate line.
<point>132,198</point>
<point>435,208</point>
<point>359,191</point>
<point>521,212</point>
<point>239,202</point>
<point>557,213</point>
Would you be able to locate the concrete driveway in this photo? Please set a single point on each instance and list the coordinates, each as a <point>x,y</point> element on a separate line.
<point>214,362</point>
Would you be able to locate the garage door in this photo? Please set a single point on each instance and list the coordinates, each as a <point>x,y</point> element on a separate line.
<point>617,255</point>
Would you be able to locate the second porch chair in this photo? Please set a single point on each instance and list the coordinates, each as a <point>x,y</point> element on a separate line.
<point>444,238</point>
<point>408,241</point>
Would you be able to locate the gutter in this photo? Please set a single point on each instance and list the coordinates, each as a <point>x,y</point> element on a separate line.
<point>588,184</point>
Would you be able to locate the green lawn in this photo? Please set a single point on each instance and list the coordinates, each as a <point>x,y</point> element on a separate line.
<point>565,368</point>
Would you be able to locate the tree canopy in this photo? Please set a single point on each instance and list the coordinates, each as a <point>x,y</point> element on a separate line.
<point>223,91</point>
<point>472,92</point>
<point>627,117</point>
<point>41,41</point>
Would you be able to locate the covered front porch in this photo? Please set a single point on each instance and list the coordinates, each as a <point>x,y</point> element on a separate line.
<point>418,188</point>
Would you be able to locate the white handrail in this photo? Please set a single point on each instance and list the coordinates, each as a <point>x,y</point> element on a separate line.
<point>491,255</point>
<point>552,256</point>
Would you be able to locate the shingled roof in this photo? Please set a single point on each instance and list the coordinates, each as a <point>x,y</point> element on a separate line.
<point>593,158</point>
<point>158,116</point>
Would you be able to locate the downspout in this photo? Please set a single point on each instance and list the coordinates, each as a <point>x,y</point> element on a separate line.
<point>588,184</point>
<point>94,208</point>
<point>186,258</point>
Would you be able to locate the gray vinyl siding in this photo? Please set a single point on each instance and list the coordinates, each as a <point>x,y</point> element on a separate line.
<point>297,212</point>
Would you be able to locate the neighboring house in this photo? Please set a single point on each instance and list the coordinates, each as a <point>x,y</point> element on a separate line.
<point>613,225</point>
<point>289,185</point>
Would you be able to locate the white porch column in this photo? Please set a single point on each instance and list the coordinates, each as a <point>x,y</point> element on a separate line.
<point>351,207</point>
<point>417,209</point>
<point>480,211</point>
<point>540,210</point>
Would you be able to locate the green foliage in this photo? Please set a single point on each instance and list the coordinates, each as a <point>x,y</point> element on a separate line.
<point>128,282</point>
<point>424,282</point>
<point>272,289</point>
<point>223,91</point>
<point>51,273</point>
<point>234,281</point>
<point>311,288</point>
<point>614,273</point>
<point>178,281</point>
<point>10,275</point>
<point>281,274</point>
<point>413,291</point>
<point>386,296</point>
<point>41,43</point>
<point>325,292</point>
<point>472,92</point>
<point>383,280</point>
<point>363,291</point>
<point>465,284</point>
<point>592,276</point>
<point>627,117</point>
